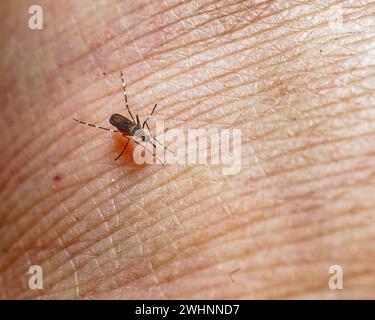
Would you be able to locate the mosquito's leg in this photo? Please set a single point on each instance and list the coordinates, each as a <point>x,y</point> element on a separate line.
<point>149,151</point>
<point>148,117</point>
<point>123,150</point>
<point>125,96</point>
<point>94,125</point>
<point>153,138</point>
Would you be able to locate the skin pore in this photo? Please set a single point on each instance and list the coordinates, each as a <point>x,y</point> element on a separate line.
<point>296,79</point>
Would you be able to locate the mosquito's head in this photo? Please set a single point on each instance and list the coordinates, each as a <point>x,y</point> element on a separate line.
<point>140,133</point>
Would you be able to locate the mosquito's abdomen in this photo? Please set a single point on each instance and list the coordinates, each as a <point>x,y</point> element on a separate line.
<point>122,123</point>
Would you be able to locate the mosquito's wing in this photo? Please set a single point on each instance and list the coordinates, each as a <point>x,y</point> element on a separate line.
<point>122,123</point>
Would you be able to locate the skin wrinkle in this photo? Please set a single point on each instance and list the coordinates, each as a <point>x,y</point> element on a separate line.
<point>105,222</point>
<point>298,226</point>
<point>142,79</point>
<point>267,291</point>
<point>329,123</point>
<point>170,65</point>
<point>151,32</point>
<point>77,91</point>
<point>305,111</point>
<point>44,130</point>
<point>230,88</point>
<point>58,221</point>
<point>302,239</point>
<point>87,17</point>
<point>71,261</point>
<point>265,268</point>
<point>106,42</point>
<point>181,297</point>
<point>222,46</point>
<point>104,188</point>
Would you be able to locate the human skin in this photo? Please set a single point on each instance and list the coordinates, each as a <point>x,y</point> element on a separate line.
<point>300,89</point>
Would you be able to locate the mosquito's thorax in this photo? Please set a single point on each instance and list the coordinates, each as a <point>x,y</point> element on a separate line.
<point>140,133</point>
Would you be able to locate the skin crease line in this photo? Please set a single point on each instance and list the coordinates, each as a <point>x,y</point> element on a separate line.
<point>283,215</point>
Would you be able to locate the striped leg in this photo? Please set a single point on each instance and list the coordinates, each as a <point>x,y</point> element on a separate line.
<point>148,117</point>
<point>123,150</point>
<point>94,125</point>
<point>153,138</point>
<point>125,96</point>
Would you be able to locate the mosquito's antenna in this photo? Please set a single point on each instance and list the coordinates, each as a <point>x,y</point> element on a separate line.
<point>125,96</point>
<point>148,117</point>
<point>138,122</point>
<point>94,125</point>
<point>163,145</point>
<point>123,150</point>
<point>153,138</point>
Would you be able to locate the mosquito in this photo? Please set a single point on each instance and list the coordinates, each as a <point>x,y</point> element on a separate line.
<point>130,129</point>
